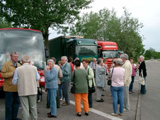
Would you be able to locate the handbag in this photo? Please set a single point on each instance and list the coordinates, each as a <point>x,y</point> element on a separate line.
<point>141,79</point>
<point>92,88</point>
<point>73,85</point>
<point>109,82</point>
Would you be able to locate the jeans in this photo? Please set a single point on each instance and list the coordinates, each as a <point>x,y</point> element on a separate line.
<point>131,84</point>
<point>12,103</point>
<point>60,90</point>
<point>117,95</point>
<point>90,100</point>
<point>52,93</point>
<point>66,91</point>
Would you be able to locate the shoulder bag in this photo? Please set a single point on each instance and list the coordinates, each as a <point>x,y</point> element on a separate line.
<point>73,84</point>
<point>92,88</point>
<point>141,79</point>
<point>110,81</point>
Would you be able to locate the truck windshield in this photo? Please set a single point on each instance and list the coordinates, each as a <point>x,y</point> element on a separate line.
<point>25,42</point>
<point>110,54</point>
<point>86,50</point>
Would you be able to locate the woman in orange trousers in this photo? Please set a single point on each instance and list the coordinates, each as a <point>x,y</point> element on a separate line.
<point>79,78</point>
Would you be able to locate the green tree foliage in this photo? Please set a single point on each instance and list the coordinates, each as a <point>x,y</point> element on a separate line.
<point>4,23</point>
<point>42,14</point>
<point>105,25</point>
<point>152,53</point>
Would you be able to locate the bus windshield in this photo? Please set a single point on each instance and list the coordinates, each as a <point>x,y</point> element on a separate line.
<point>25,42</point>
<point>110,54</point>
<point>86,50</point>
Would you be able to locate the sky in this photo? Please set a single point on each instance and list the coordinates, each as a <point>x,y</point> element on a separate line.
<point>146,11</point>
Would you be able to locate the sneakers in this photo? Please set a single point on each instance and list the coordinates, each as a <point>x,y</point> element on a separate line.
<point>113,114</point>
<point>65,104</point>
<point>61,99</point>
<point>101,100</point>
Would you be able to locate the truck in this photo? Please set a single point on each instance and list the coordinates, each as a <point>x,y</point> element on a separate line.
<point>25,42</point>
<point>108,50</point>
<point>73,46</point>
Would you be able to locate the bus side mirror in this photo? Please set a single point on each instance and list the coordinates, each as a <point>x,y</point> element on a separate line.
<point>46,53</point>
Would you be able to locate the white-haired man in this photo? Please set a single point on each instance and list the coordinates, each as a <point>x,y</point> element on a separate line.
<point>26,78</point>
<point>66,70</point>
<point>142,72</point>
<point>127,80</point>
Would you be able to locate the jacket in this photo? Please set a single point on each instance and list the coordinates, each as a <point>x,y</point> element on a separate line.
<point>80,80</point>
<point>90,76</point>
<point>100,76</point>
<point>128,72</point>
<point>60,75</point>
<point>51,79</point>
<point>7,73</point>
<point>66,70</point>
<point>27,77</point>
<point>142,68</point>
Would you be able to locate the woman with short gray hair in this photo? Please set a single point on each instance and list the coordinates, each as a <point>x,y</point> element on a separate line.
<point>117,87</point>
<point>100,78</point>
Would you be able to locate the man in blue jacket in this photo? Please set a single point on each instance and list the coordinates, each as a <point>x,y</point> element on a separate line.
<point>66,70</point>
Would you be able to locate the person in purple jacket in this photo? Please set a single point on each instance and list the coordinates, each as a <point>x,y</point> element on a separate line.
<point>133,75</point>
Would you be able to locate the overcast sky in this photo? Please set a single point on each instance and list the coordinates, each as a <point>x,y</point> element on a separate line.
<point>147,12</point>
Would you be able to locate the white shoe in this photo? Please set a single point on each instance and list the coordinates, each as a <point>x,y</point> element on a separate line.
<point>39,101</point>
<point>113,114</point>
<point>61,99</point>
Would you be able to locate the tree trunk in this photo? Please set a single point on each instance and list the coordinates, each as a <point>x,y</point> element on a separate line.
<point>46,41</point>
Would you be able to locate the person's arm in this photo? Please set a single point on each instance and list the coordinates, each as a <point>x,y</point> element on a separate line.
<point>60,74</point>
<point>51,74</point>
<point>90,73</point>
<point>37,76</point>
<point>5,73</point>
<point>102,70</point>
<point>72,79</point>
<point>66,70</point>
<point>15,78</point>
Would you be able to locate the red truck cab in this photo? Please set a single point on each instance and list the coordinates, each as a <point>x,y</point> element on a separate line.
<point>108,50</point>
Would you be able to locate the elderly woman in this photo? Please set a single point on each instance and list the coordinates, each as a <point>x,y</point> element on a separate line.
<point>79,79</point>
<point>100,79</point>
<point>51,85</point>
<point>127,80</point>
<point>90,79</point>
<point>117,87</point>
<point>133,75</point>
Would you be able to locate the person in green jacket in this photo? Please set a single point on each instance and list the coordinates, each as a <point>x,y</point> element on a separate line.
<point>90,74</point>
<point>79,79</point>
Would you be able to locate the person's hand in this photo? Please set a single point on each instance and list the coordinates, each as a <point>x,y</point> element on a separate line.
<point>48,67</point>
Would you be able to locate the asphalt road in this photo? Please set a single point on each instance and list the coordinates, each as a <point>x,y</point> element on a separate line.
<point>150,102</point>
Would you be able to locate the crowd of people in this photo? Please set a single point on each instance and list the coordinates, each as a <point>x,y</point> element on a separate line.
<point>20,84</point>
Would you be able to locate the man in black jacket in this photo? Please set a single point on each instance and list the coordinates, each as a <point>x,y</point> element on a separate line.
<point>142,72</point>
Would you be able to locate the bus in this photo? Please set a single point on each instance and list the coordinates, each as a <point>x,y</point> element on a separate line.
<point>25,42</point>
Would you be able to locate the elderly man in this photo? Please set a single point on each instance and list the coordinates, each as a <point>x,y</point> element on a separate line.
<point>51,85</point>
<point>66,70</point>
<point>127,80</point>
<point>142,72</point>
<point>12,101</point>
<point>26,77</point>
<point>60,75</point>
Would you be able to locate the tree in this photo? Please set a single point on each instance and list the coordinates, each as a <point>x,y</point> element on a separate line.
<point>152,53</point>
<point>4,23</point>
<point>42,14</point>
<point>105,25</point>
